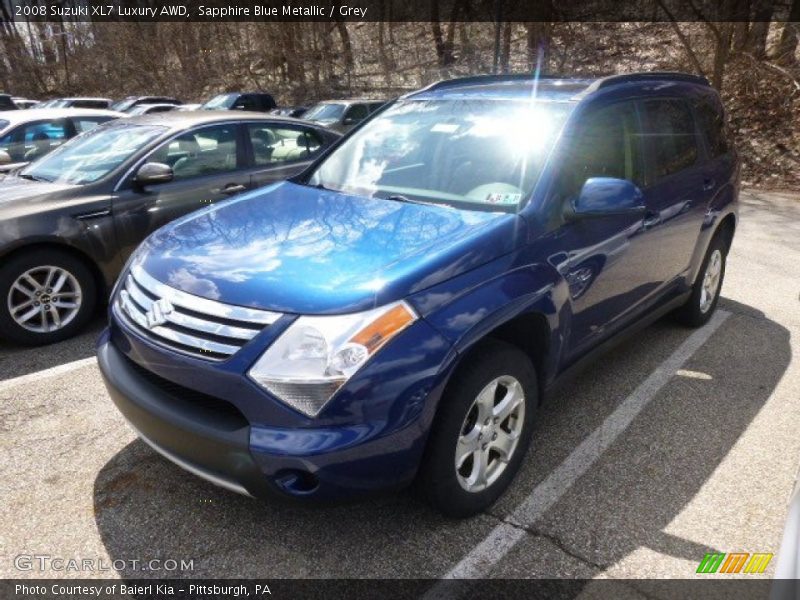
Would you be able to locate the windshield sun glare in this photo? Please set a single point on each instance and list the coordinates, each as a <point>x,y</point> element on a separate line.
<point>474,154</point>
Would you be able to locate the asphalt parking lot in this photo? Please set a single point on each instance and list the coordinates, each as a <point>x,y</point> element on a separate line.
<point>675,444</point>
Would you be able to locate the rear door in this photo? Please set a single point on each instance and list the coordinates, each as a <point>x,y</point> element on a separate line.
<point>208,165</point>
<point>676,186</point>
<point>278,151</point>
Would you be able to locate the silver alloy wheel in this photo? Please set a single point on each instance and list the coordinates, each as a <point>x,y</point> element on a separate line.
<point>44,299</point>
<point>490,434</point>
<point>710,283</point>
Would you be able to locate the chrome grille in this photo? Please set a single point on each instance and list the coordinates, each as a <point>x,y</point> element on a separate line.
<point>184,322</point>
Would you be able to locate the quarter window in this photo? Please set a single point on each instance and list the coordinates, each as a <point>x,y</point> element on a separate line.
<point>273,145</point>
<point>712,124</point>
<point>202,152</point>
<point>671,132</point>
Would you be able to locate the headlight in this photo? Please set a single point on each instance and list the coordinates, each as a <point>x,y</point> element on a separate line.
<point>315,356</point>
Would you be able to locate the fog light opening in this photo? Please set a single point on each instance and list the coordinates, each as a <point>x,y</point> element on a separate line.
<point>296,482</point>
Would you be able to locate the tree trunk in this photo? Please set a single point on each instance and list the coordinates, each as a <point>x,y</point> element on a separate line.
<point>505,56</point>
<point>757,36</point>
<point>538,45</point>
<point>721,53</point>
<point>787,46</point>
<point>347,49</point>
<point>444,55</point>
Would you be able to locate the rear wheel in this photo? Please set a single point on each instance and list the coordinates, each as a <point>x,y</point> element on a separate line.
<point>482,431</point>
<point>707,287</point>
<point>45,296</point>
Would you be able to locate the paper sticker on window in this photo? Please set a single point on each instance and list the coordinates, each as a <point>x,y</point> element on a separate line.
<point>503,198</point>
<point>444,128</point>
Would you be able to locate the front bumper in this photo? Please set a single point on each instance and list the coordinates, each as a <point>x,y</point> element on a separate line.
<point>191,436</point>
<point>214,440</point>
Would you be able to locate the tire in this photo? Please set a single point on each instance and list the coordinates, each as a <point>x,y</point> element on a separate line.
<point>701,304</point>
<point>439,481</point>
<point>72,300</point>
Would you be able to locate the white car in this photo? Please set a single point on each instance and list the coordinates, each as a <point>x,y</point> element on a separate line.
<point>788,566</point>
<point>26,135</point>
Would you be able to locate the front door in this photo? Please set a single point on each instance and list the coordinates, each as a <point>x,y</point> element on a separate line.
<point>604,260</point>
<point>208,165</point>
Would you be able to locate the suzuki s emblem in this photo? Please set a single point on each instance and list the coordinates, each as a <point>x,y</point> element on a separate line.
<point>157,315</point>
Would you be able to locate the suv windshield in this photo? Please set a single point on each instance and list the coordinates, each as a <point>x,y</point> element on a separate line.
<point>325,112</point>
<point>92,155</point>
<point>221,101</point>
<point>471,153</point>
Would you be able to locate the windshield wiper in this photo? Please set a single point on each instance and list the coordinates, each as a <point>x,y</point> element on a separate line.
<point>32,177</point>
<point>318,186</point>
<point>407,200</point>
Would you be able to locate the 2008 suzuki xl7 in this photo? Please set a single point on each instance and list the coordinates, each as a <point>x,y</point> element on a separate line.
<point>397,312</point>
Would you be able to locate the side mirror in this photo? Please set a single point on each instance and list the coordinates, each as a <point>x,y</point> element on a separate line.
<point>153,173</point>
<point>605,197</point>
<point>349,121</point>
<point>5,158</point>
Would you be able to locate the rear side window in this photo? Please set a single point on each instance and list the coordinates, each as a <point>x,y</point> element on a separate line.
<point>671,135</point>
<point>712,124</point>
<point>357,112</point>
<point>606,145</point>
<point>273,145</point>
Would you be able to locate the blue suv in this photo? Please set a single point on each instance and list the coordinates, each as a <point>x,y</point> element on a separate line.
<point>397,312</point>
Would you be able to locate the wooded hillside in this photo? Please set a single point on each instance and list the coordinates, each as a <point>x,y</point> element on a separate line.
<point>754,65</point>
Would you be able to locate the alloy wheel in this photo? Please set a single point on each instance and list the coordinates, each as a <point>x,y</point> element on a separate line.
<point>711,278</point>
<point>490,434</point>
<point>44,299</point>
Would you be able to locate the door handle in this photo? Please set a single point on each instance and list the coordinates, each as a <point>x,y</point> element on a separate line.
<point>93,215</point>
<point>709,184</point>
<point>231,188</point>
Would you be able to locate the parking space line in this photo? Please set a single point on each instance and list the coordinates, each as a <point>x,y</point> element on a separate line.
<point>505,536</point>
<point>46,373</point>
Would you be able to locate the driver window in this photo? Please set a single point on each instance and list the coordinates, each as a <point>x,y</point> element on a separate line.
<point>201,152</point>
<point>606,145</point>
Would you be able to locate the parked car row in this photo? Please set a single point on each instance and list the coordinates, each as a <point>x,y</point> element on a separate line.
<point>378,309</point>
<point>339,115</point>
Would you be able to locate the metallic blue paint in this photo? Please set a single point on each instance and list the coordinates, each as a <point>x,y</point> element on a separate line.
<point>301,250</point>
<point>606,195</point>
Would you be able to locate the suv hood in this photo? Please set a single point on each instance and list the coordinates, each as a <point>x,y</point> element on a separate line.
<point>297,249</point>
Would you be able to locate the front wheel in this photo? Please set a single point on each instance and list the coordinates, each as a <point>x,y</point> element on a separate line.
<point>706,290</point>
<point>481,432</point>
<point>45,296</point>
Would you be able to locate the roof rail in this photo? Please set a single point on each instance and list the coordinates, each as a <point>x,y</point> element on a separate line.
<point>645,76</point>
<point>445,83</point>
